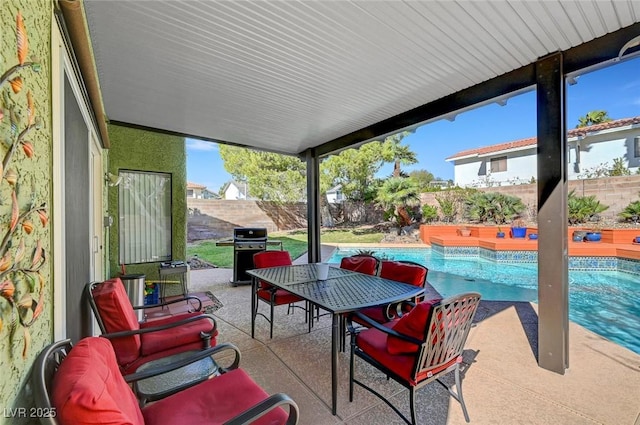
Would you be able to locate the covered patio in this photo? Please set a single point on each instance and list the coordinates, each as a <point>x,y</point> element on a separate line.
<point>312,78</point>
<point>502,383</point>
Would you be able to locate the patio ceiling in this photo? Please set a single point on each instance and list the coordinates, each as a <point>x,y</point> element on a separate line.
<point>286,76</point>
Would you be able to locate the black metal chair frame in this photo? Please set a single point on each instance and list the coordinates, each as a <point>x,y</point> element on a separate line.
<point>48,361</point>
<point>427,352</point>
<point>308,310</point>
<point>89,295</point>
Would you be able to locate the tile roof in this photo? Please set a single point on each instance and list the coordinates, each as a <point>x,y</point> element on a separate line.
<point>531,141</point>
<point>195,186</point>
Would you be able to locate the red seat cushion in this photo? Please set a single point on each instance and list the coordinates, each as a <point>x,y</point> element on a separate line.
<point>117,314</point>
<point>376,313</point>
<point>154,342</point>
<point>282,296</point>
<point>213,402</point>
<point>403,272</point>
<point>88,388</point>
<point>374,343</point>
<point>411,324</point>
<point>361,264</point>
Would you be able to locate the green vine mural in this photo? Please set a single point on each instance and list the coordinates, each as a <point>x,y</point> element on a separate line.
<point>22,255</point>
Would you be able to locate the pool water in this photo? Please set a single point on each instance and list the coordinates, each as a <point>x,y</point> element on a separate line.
<point>605,302</point>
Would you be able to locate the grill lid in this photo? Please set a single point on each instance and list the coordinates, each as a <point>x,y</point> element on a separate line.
<point>249,233</point>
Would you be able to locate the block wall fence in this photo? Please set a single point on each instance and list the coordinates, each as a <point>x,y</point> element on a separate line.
<point>616,192</point>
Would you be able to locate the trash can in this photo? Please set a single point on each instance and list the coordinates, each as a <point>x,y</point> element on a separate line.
<point>134,286</point>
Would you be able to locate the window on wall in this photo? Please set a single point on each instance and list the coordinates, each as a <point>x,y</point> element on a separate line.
<point>498,164</point>
<point>636,147</point>
<point>144,217</point>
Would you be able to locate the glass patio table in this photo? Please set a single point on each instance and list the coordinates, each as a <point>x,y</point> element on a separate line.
<point>343,291</point>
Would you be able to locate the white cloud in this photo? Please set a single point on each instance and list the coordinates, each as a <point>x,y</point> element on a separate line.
<point>201,145</point>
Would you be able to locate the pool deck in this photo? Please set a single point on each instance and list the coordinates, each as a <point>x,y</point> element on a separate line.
<point>502,381</point>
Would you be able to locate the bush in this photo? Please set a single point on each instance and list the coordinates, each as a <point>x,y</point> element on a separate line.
<point>493,207</point>
<point>451,201</point>
<point>631,212</point>
<point>582,209</point>
<point>429,213</point>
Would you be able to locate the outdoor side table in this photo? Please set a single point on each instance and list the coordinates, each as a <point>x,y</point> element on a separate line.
<point>173,274</point>
<point>163,385</point>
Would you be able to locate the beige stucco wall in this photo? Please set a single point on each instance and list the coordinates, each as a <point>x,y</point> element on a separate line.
<point>33,187</point>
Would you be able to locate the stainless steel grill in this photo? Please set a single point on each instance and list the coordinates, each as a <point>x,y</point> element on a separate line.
<point>246,242</point>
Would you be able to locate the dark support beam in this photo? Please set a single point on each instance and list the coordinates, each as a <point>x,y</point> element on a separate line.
<point>553,275</point>
<point>313,205</point>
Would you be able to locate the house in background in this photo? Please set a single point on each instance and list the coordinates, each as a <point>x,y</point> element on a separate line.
<point>592,150</point>
<point>235,190</point>
<point>195,190</point>
<point>335,195</point>
<point>198,191</point>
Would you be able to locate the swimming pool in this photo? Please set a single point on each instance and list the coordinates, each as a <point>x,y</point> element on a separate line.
<point>605,302</point>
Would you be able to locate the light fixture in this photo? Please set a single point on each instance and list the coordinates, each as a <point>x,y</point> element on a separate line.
<point>112,179</point>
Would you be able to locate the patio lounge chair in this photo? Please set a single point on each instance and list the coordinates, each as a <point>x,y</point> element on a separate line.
<point>420,347</point>
<point>272,295</point>
<point>136,343</point>
<point>82,385</point>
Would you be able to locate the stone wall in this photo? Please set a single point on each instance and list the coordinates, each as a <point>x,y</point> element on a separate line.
<point>216,218</point>
<point>616,192</point>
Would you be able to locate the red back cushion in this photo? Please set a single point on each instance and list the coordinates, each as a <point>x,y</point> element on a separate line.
<point>412,324</point>
<point>361,264</point>
<point>89,389</point>
<point>117,314</point>
<point>262,260</point>
<point>265,259</point>
<point>412,274</point>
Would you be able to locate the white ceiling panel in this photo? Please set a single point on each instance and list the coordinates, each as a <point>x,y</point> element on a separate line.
<point>290,75</point>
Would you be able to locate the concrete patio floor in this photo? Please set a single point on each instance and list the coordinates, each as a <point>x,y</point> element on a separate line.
<point>502,381</point>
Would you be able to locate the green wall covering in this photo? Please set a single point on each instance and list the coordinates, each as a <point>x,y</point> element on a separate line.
<point>33,186</point>
<point>140,150</point>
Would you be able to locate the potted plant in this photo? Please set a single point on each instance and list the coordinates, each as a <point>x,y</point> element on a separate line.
<point>593,235</point>
<point>500,233</point>
<point>518,229</point>
<point>579,235</point>
<point>464,231</point>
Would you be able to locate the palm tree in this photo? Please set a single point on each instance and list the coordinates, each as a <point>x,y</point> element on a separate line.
<point>398,193</point>
<point>593,117</point>
<point>393,151</point>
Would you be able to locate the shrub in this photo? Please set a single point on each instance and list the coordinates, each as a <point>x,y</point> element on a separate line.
<point>493,207</point>
<point>583,208</point>
<point>429,213</point>
<point>631,212</point>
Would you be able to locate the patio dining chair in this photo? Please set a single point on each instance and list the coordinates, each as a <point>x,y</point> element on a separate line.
<point>361,263</point>
<point>422,346</point>
<point>81,385</point>
<point>403,271</point>
<point>275,296</point>
<point>136,343</point>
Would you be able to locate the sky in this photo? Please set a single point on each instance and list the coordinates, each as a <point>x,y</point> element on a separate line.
<point>615,89</point>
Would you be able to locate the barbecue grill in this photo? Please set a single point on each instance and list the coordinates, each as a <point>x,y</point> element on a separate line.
<point>246,242</point>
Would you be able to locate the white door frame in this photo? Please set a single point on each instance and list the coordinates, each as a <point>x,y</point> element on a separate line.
<point>61,65</point>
